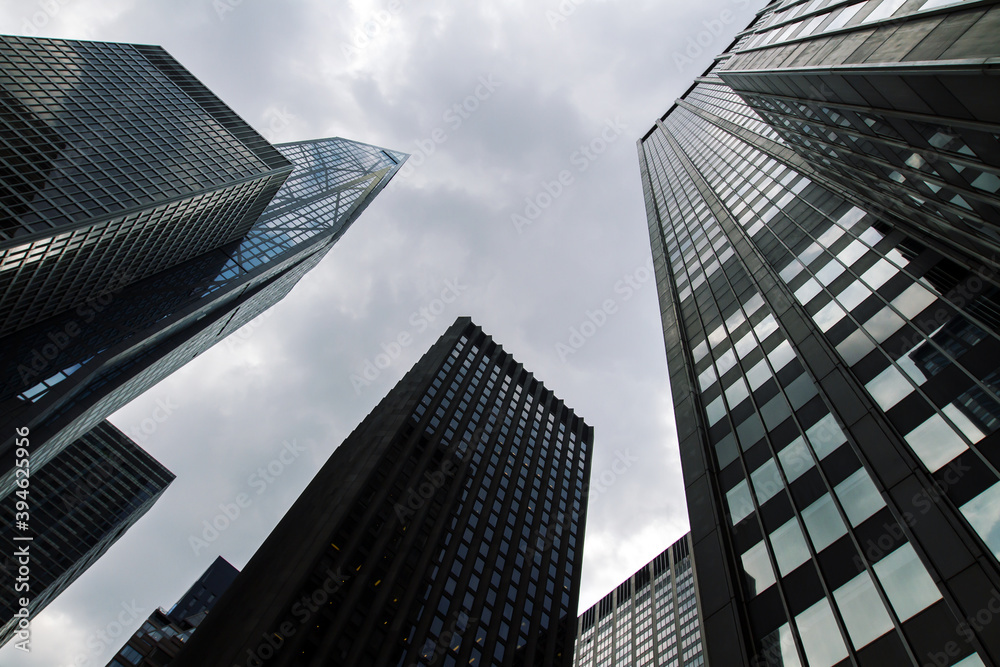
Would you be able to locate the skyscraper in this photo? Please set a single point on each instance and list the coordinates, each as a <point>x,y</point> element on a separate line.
<point>446,529</point>
<point>164,633</point>
<point>652,618</point>
<point>72,363</point>
<point>116,164</point>
<point>833,366</point>
<point>80,504</point>
<point>904,116</point>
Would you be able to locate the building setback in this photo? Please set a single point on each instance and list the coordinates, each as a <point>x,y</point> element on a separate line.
<point>652,618</point>
<point>447,529</point>
<point>77,355</point>
<point>79,505</point>
<point>833,366</point>
<point>164,633</point>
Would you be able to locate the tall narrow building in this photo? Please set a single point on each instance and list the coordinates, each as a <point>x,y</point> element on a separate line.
<point>651,619</point>
<point>97,321</point>
<point>833,358</point>
<point>447,529</point>
<point>79,505</point>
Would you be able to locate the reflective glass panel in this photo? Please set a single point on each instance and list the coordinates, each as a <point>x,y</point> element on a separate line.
<point>823,522</point>
<point>789,546</point>
<point>906,582</point>
<point>862,609</point>
<point>820,635</point>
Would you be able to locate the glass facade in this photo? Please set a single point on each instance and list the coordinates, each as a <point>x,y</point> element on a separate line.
<point>115,163</point>
<point>81,503</point>
<point>904,115</point>
<point>66,374</point>
<point>651,619</point>
<point>836,394</point>
<point>446,530</point>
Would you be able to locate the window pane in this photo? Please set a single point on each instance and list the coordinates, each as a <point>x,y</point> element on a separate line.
<point>740,503</point>
<point>779,648</point>
<point>795,459</point>
<point>859,497</point>
<point>759,574</point>
<point>825,436</point>
<point>823,522</point>
<point>862,609</point>
<point>906,582</point>
<point>983,512</point>
<point>789,546</point>
<point>935,442</point>
<point>766,481</point>
<point>889,387</point>
<point>821,638</point>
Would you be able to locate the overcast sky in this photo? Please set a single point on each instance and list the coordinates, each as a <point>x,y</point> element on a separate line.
<point>536,83</point>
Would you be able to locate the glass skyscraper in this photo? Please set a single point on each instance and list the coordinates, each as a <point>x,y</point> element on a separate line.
<point>651,619</point>
<point>906,118</point>
<point>80,504</point>
<point>447,529</point>
<point>115,163</point>
<point>833,359</point>
<point>66,366</point>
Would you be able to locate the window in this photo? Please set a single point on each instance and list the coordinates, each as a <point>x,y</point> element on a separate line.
<point>821,638</point>
<point>982,513</point>
<point>862,610</point>
<point>906,582</point>
<point>859,497</point>
<point>935,442</point>
<point>789,545</point>
<point>760,575</point>
<point>823,522</point>
<point>131,655</point>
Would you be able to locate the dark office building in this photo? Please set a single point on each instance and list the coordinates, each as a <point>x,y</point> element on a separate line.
<point>650,620</point>
<point>163,634</point>
<point>833,368</point>
<point>206,269</point>
<point>80,504</point>
<point>447,529</point>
